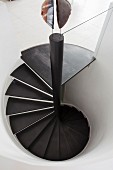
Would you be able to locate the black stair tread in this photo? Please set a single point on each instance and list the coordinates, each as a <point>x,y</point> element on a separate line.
<point>39,146</point>
<point>27,136</point>
<point>38,61</point>
<point>16,106</point>
<point>76,143</point>
<point>53,152</point>
<point>21,121</point>
<point>71,113</point>
<point>78,122</point>
<point>20,90</point>
<point>71,116</point>
<point>74,146</point>
<point>80,125</point>
<point>79,138</point>
<point>75,60</point>
<point>64,146</point>
<point>77,133</point>
<point>24,74</point>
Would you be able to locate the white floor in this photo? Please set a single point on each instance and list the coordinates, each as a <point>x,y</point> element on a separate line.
<point>31,30</point>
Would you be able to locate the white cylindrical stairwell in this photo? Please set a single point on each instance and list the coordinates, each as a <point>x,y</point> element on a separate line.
<point>91,91</point>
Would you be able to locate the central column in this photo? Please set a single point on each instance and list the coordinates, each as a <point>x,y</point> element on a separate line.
<point>56,57</point>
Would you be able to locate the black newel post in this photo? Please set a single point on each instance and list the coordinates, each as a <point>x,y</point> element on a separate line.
<point>56,57</point>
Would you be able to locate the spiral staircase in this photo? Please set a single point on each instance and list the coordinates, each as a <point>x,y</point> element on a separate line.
<point>32,97</point>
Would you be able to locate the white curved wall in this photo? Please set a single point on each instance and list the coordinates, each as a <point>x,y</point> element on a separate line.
<point>91,91</point>
<point>9,54</point>
<point>7,47</point>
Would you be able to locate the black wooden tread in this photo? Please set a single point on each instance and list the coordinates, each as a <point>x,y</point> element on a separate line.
<point>25,75</point>
<point>29,135</point>
<point>65,150</point>
<point>38,61</point>
<point>53,149</point>
<point>75,59</point>
<point>19,90</point>
<point>38,74</point>
<point>40,145</point>
<point>78,136</point>
<point>21,121</point>
<point>84,129</point>
<point>70,112</point>
<point>19,106</point>
<point>73,145</point>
